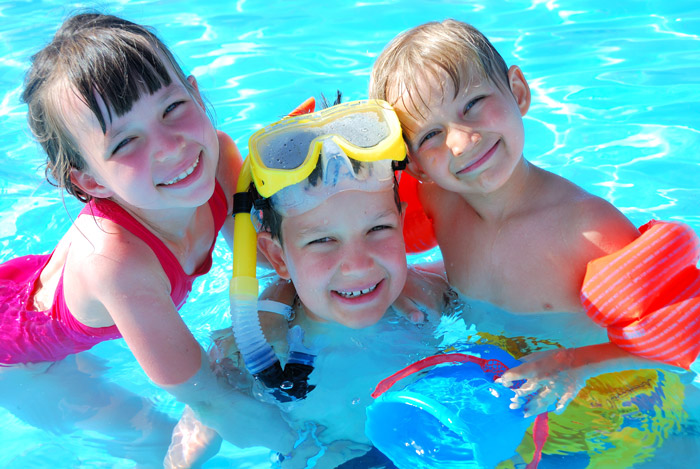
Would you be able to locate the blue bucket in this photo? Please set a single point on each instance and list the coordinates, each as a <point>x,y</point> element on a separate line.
<point>454,416</point>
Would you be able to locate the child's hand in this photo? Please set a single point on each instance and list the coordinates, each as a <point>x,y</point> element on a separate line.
<point>332,455</point>
<point>192,443</point>
<point>422,298</point>
<point>551,376</point>
<point>280,290</point>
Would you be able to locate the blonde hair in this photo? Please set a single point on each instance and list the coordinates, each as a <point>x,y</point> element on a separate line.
<point>91,55</point>
<point>434,50</point>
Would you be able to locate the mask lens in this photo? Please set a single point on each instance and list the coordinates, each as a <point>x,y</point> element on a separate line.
<point>288,148</point>
<point>364,130</point>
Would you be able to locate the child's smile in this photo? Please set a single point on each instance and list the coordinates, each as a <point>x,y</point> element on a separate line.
<point>160,154</point>
<point>184,174</point>
<point>479,161</point>
<point>469,143</point>
<point>357,294</point>
<point>346,257</point>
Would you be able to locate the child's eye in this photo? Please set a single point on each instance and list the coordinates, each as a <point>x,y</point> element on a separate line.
<point>122,144</point>
<point>323,240</point>
<point>172,107</point>
<point>472,103</point>
<point>381,228</point>
<point>427,137</point>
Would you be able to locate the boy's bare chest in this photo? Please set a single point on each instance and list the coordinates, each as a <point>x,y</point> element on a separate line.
<point>518,266</point>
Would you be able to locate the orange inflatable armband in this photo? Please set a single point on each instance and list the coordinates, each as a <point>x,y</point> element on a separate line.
<point>648,294</point>
<point>418,230</point>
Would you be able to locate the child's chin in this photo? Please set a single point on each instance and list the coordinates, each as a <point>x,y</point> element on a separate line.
<point>365,321</point>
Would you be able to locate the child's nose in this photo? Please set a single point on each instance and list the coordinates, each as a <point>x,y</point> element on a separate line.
<point>461,139</point>
<point>356,259</point>
<point>166,144</point>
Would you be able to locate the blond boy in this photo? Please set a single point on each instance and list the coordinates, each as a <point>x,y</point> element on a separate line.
<point>511,233</point>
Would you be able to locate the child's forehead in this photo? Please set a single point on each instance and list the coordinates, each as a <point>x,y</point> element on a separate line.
<point>112,93</point>
<point>71,108</point>
<point>432,87</point>
<point>340,210</point>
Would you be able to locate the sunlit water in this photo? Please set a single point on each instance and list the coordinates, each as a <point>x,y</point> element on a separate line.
<point>615,94</point>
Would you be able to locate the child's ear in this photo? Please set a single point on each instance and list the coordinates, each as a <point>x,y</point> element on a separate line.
<point>417,172</point>
<point>519,88</point>
<point>88,184</point>
<point>195,89</point>
<point>272,250</point>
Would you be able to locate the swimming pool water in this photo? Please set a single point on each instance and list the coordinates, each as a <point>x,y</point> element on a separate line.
<point>615,92</point>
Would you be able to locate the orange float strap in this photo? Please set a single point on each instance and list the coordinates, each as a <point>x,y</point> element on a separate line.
<point>307,107</point>
<point>418,232</point>
<point>648,294</point>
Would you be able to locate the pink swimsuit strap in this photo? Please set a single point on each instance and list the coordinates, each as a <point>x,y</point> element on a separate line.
<point>180,281</point>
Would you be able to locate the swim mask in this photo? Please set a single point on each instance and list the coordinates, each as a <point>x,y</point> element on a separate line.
<point>300,161</point>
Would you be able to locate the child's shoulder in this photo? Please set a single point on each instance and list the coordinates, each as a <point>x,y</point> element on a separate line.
<point>102,250</point>
<point>556,192</point>
<point>594,224</point>
<point>107,269</point>
<point>437,201</point>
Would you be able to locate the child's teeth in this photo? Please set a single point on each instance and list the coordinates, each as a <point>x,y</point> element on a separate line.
<point>352,294</point>
<point>183,174</point>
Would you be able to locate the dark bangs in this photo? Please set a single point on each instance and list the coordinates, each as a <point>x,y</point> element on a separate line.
<point>119,66</point>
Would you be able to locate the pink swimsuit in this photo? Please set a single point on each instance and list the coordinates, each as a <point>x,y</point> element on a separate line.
<point>28,336</point>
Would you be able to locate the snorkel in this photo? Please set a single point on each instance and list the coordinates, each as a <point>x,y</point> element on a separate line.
<point>243,290</point>
<point>356,146</point>
<point>259,358</point>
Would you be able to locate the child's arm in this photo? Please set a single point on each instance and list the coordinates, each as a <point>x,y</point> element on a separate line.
<point>422,298</point>
<point>555,377</point>
<point>193,443</point>
<point>128,284</point>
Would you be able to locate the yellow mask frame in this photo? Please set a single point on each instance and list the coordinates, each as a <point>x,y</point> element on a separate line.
<point>266,144</point>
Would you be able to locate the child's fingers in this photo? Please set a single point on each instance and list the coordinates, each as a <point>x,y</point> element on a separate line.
<point>407,308</point>
<point>518,373</point>
<point>563,402</point>
<point>545,399</point>
<point>524,393</point>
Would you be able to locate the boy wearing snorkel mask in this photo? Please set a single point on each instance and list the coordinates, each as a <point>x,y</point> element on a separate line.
<point>330,222</point>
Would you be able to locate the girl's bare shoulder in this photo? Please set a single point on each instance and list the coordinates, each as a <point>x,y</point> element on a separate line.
<point>107,265</point>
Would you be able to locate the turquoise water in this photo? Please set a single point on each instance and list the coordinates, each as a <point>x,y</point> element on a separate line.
<point>615,93</point>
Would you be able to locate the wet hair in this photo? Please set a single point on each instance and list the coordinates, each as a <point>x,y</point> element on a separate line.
<point>271,219</point>
<point>430,52</point>
<point>91,55</point>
